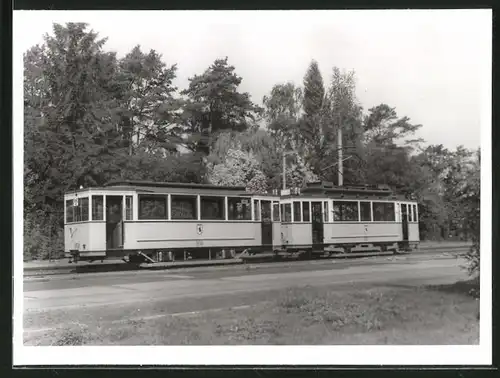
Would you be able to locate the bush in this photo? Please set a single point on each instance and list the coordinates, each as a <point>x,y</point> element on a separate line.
<point>43,238</point>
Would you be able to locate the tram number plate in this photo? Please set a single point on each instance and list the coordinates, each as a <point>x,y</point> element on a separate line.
<point>199,243</point>
<point>75,201</point>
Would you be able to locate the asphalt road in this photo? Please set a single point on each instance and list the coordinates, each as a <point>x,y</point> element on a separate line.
<point>49,303</point>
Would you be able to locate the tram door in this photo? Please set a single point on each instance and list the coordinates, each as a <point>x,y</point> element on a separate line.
<point>114,222</point>
<point>266,224</point>
<point>317,224</point>
<point>404,221</point>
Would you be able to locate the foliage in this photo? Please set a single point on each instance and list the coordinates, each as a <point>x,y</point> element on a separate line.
<point>282,113</point>
<point>383,128</point>
<point>82,108</point>
<point>298,173</point>
<point>238,169</point>
<point>215,104</point>
<point>313,120</point>
<point>43,236</point>
<point>342,111</point>
<point>468,195</point>
<point>149,109</point>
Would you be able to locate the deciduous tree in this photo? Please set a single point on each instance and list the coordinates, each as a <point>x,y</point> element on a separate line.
<point>149,108</point>
<point>342,110</point>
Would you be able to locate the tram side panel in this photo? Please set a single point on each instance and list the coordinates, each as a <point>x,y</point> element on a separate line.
<point>413,234</point>
<point>277,240</point>
<point>97,236</point>
<point>297,235</point>
<point>284,230</point>
<point>77,238</point>
<point>362,233</point>
<point>190,235</point>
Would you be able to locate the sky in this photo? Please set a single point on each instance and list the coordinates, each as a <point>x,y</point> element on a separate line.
<point>429,65</point>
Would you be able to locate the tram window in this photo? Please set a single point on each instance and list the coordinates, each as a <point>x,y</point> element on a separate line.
<point>410,212</point>
<point>383,212</point>
<point>390,214</point>
<point>415,213</point>
<point>153,207</point>
<point>282,207</point>
<point>239,208</point>
<point>78,213</point>
<point>305,212</point>
<point>212,208</point>
<point>366,211</point>
<point>69,211</point>
<point>97,208</point>
<point>296,212</point>
<point>288,212</point>
<point>83,207</point>
<point>129,200</point>
<point>265,209</point>
<point>276,212</point>
<point>256,212</point>
<point>184,207</point>
<point>345,211</point>
<point>325,212</point>
<point>404,212</point>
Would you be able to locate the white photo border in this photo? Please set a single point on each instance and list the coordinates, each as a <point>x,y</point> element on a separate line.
<point>256,355</point>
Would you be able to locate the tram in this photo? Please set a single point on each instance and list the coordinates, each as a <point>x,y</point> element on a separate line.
<point>168,221</point>
<point>322,217</point>
<point>138,221</point>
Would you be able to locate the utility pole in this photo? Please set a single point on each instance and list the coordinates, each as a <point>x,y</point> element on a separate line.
<point>284,170</point>
<point>285,154</point>
<point>341,165</point>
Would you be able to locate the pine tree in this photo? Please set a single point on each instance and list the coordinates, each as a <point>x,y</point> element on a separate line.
<point>215,104</point>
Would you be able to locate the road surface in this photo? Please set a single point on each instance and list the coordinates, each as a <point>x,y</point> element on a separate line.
<point>50,302</point>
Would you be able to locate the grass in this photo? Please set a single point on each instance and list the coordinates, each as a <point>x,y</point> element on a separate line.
<point>446,314</point>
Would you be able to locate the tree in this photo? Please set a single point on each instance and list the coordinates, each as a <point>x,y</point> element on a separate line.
<point>282,113</point>
<point>68,124</point>
<point>387,159</point>
<point>148,166</point>
<point>150,111</point>
<point>429,189</point>
<point>470,197</point>
<point>314,111</point>
<point>298,173</point>
<point>341,111</point>
<point>214,104</point>
<point>79,119</point>
<point>382,127</point>
<point>459,184</point>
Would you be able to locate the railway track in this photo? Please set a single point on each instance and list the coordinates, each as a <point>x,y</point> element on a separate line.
<point>447,251</point>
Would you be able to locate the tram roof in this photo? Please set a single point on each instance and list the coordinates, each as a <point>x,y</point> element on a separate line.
<point>174,185</point>
<point>326,190</point>
<point>169,187</point>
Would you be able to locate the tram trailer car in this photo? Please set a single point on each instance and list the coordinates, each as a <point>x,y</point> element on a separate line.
<point>168,221</point>
<point>324,218</point>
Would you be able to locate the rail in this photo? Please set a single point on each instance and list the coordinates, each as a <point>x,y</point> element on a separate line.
<point>47,270</point>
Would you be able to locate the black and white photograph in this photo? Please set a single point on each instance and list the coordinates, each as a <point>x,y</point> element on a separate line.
<point>252,187</point>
